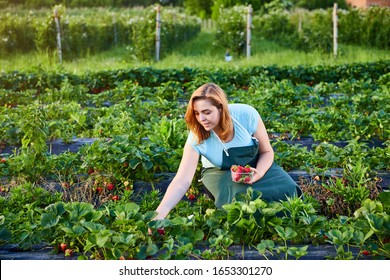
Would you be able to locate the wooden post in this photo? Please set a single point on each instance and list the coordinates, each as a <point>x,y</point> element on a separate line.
<point>300,23</point>
<point>115,33</point>
<point>158,32</point>
<point>335,31</point>
<point>57,21</point>
<point>248,31</point>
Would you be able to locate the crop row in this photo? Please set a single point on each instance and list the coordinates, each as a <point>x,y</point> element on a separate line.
<point>344,110</point>
<point>190,78</point>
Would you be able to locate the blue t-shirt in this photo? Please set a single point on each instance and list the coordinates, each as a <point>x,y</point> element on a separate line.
<point>211,149</point>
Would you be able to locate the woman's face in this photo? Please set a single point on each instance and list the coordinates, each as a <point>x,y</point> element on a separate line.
<point>207,114</point>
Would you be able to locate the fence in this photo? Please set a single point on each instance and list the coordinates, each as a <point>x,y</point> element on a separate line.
<point>73,36</point>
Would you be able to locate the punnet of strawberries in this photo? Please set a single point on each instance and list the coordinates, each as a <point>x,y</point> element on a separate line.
<point>241,174</point>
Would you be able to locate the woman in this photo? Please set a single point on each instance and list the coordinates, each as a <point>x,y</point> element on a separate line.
<point>223,135</point>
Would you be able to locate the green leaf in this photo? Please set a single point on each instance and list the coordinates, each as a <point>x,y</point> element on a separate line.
<point>116,253</point>
<point>384,197</point>
<point>149,215</point>
<point>134,162</point>
<point>151,249</point>
<point>78,230</point>
<point>285,233</point>
<point>249,208</point>
<point>49,219</point>
<point>102,238</point>
<point>77,210</point>
<point>358,236</point>
<point>234,215</point>
<point>57,208</point>
<point>297,251</point>
<point>375,221</point>
<point>159,223</point>
<point>126,211</point>
<point>199,235</point>
<point>5,235</point>
<point>179,221</point>
<point>184,250</point>
<point>336,236</point>
<point>262,248</point>
<point>147,165</point>
<point>93,227</point>
<point>265,245</point>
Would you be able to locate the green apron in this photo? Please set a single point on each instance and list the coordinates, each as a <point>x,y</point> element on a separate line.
<point>275,185</point>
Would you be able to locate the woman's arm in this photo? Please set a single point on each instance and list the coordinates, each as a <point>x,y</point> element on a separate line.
<point>180,183</point>
<point>266,153</point>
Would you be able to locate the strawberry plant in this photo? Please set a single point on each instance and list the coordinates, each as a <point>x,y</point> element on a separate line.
<point>372,221</point>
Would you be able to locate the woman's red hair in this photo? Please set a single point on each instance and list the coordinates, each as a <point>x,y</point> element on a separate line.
<point>218,98</point>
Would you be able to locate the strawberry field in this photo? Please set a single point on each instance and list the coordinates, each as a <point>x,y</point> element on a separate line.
<point>85,160</point>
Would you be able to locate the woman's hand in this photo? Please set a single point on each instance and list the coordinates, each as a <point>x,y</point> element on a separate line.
<point>256,176</point>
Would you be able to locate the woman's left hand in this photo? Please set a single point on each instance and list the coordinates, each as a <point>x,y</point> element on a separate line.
<point>256,175</point>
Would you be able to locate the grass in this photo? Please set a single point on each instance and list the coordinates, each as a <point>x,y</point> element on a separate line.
<point>197,53</point>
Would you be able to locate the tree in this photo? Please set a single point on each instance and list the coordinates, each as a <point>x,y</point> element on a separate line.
<point>200,8</point>
<point>319,4</point>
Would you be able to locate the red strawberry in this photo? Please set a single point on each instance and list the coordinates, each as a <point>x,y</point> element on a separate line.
<point>247,169</point>
<point>192,197</point>
<point>90,171</point>
<point>247,179</point>
<point>63,246</point>
<point>99,189</point>
<point>110,186</point>
<point>161,231</point>
<point>3,160</point>
<point>365,252</point>
<point>115,198</point>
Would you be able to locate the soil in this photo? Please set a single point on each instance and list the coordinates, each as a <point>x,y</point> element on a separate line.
<point>44,252</point>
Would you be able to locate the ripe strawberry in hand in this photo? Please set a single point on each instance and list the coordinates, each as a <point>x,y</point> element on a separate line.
<point>242,174</point>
